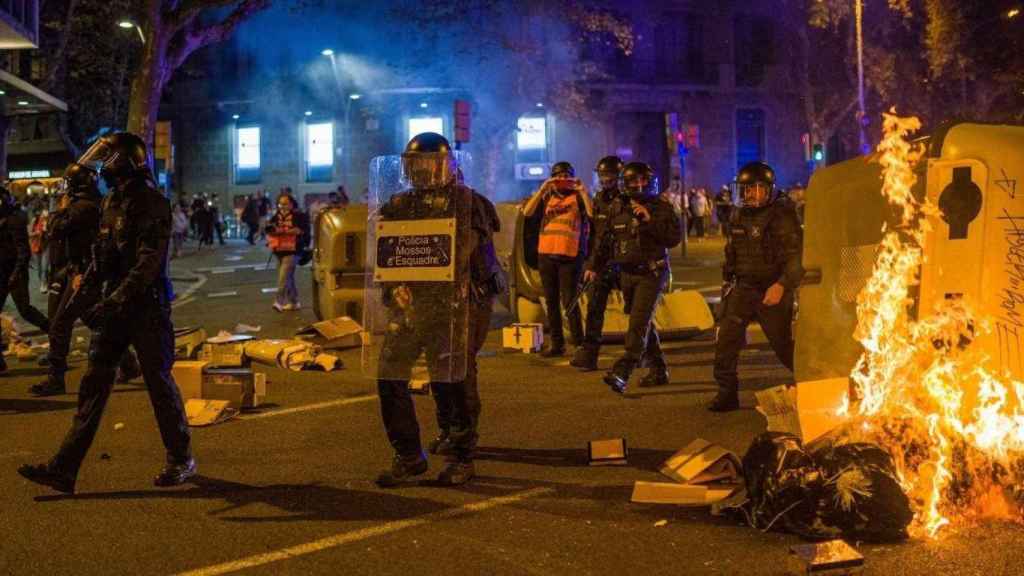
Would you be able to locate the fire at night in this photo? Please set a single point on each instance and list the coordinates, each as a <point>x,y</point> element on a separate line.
<point>497,287</point>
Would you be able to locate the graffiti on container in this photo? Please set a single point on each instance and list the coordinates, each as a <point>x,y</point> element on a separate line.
<point>1011,319</point>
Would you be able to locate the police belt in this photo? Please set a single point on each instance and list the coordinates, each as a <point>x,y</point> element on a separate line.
<point>655,267</point>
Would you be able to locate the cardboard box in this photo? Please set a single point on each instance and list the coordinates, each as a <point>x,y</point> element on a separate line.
<point>833,558</point>
<point>188,375</point>
<point>226,352</point>
<point>207,412</point>
<point>681,494</point>
<point>611,452</point>
<point>236,385</point>
<point>702,462</point>
<point>524,337</point>
<point>259,385</point>
<point>187,341</point>
<point>336,333</point>
<point>808,410</point>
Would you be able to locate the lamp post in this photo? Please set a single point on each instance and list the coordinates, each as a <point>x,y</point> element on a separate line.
<point>346,139</point>
<point>865,149</point>
<point>128,24</point>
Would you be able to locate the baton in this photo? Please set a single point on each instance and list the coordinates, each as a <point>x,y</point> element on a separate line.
<point>579,296</point>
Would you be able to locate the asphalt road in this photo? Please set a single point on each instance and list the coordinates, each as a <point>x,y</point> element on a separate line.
<point>289,490</point>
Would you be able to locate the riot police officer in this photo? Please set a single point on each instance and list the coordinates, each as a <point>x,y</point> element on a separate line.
<point>129,271</point>
<point>14,262</point>
<point>446,321</point>
<point>73,229</point>
<point>603,281</point>
<point>644,227</point>
<point>762,272</point>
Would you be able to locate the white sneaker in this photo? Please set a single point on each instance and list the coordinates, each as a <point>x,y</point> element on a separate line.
<point>296,306</point>
<point>279,307</point>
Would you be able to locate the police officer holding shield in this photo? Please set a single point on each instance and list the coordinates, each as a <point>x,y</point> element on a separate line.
<point>644,227</point>
<point>602,280</point>
<point>762,272</point>
<point>129,272</point>
<point>444,319</point>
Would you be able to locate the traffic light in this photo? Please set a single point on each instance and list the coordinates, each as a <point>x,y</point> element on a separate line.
<point>819,153</point>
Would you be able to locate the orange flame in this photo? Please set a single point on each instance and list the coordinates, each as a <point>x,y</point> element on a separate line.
<point>922,389</point>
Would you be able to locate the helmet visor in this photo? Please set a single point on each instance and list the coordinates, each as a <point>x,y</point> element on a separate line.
<point>97,155</point>
<point>428,169</point>
<point>606,180</point>
<point>640,186</point>
<point>755,195</point>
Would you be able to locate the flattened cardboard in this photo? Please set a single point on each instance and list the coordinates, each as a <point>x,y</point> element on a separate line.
<point>833,558</point>
<point>611,452</point>
<point>702,462</point>
<point>207,412</point>
<point>188,375</point>
<point>337,333</point>
<point>226,352</point>
<point>187,341</point>
<point>808,410</point>
<point>259,387</point>
<point>523,337</point>
<point>680,494</point>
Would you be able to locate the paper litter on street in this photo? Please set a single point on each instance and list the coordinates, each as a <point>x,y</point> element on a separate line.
<point>807,410</point>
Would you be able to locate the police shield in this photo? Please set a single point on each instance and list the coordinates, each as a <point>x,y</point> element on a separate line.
<point>417,292</point>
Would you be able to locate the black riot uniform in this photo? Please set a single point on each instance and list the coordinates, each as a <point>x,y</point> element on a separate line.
<point>606,278</point>
<point>429,317</point>
<point>129,273</point>
<point>14,262</point>
<point>762,261</point>
<point>644,227</point>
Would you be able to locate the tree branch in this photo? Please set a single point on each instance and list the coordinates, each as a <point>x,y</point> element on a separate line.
<point>57,60</point>
<point>179,13</point>
<point>191,39</point>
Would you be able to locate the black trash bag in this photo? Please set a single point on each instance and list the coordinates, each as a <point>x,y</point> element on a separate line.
<point>864,496</point>
<point>782,481</point>
<point>844,490</point>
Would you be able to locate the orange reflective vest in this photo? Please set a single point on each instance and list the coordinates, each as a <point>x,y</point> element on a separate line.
<point>562,226</point>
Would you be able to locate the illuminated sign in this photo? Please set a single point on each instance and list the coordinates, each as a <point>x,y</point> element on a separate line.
<point>320,144</point>
<point>425,124</point>
<point>26,174</point>
<point>532,134</point>
<point>248,152</point>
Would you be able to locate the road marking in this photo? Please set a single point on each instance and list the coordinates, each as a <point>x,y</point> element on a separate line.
<point>268,290</point>
<point>222,294</point>
<point>223,270</point>
<point>232,258</point>
<point>364,534</point>
<point>310,407</point>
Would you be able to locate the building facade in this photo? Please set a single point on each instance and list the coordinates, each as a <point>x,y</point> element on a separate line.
<point>702,93</point>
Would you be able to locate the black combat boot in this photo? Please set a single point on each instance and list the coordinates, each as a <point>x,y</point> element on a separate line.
<point>585,359</point>
<point>3,363</point>
<point>656,376</point>
<point>176,474</point>
<point>402,470</point>
<point>47,476</point>
<point>440,445</point>
<point>618,377</point>
<point>52,386</point>
<point>457,472</point>
<point>553,350</point>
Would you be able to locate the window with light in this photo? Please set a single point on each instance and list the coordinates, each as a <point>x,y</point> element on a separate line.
<point>425,124</point>
<point>532,134</point>
<point>247,155</point>
<point>319,152</point>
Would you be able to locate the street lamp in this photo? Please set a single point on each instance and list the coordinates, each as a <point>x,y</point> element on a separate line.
<point>1013,13</point>
<point>327,52</point>
<point>354,96</point>
<point>128,24</point>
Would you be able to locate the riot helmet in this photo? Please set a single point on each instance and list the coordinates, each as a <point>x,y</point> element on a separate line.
<point>116,157</point>
<point>638,181</point>
<point>607,172</point>
<point>79,181</point>
<point>562,170</point>
<point>756,183</point>
<point>428,161</point>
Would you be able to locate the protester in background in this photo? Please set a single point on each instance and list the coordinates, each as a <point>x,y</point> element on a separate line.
<point>567,211</point>
<point>707,209</point>
<point>37,243</point>
<point>263,211</point>
<point>202,219</point>
<point>723,208</point>
<point>218,222</point>
<point>338,198</point>
<point>287,237</point>
<point>698,209</point>
<point>251,218</point>
<point>179,229</point>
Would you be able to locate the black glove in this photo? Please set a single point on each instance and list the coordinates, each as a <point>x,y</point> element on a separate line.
<point>101,314</point>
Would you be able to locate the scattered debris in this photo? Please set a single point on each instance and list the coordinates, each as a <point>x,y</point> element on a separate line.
<point>807,410</point>
<point>610,452</point>
<point>294,355</point>
<point>119,426</point>
<point>680,494</point>
<point>238,386</point>
<point>524,337</point>
<point>208,412</point>
<point>242,328</point>
<point>702,462</point>
<point>661,523</point>
<point>335,334</point>
<point>187,341</point>
<point>104,456</point>
<point>832,557</point>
